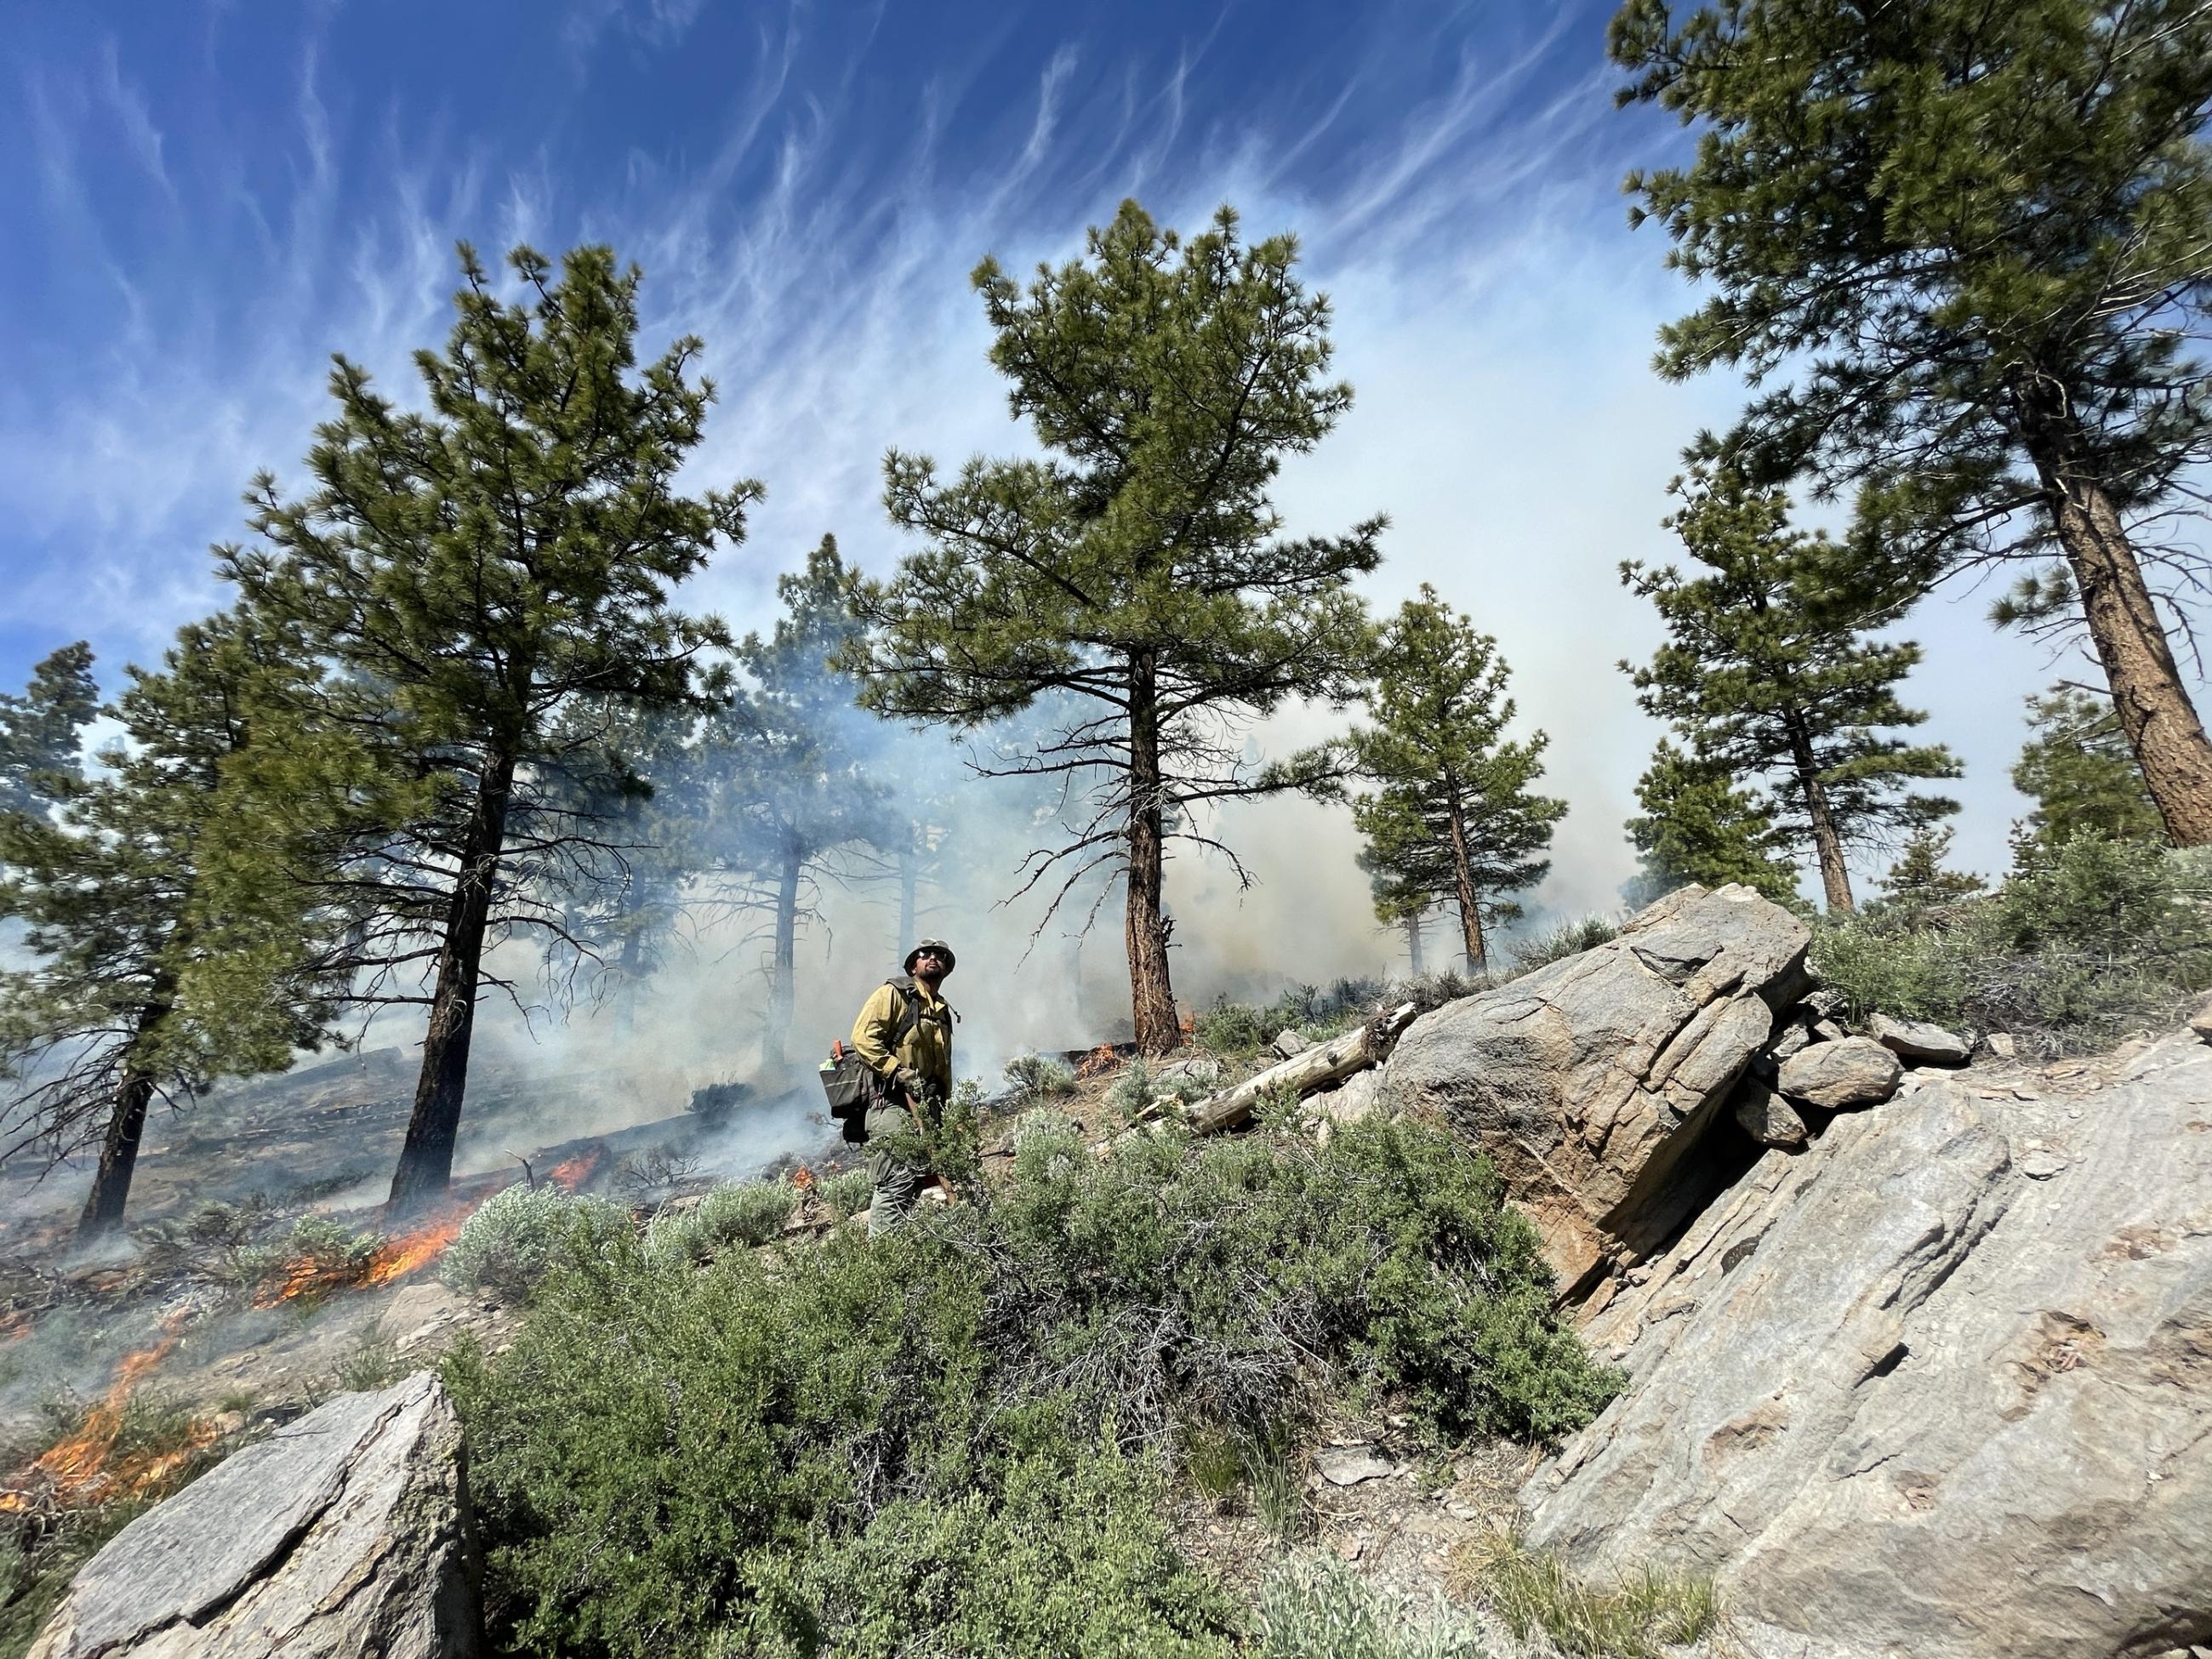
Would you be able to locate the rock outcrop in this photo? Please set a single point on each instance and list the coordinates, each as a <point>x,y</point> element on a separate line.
<point>1940,1386</point>
<point>343,1534</point>
<point>1591,1080</point>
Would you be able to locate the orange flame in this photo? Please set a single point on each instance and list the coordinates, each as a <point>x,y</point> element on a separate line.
<point>1100,1060</point>
<point>402,1255</point>
<point>803,1178</point>
<point>395,1258</point>
<point>79,1471</point>
<point>570,1173</point>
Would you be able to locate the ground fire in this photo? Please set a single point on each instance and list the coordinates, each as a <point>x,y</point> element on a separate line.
<point>84,1468</point>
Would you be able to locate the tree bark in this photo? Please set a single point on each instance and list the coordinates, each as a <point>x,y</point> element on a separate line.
<point>781,992</point>
<point>426,1158</point>
<point>2161,724</point>
<point>1828,843</point>
<point>126,1121</point>
<point>629,968</point>
<point>1470,908</point>
<point>1413,941</point>
<point>1152,995</point>
<point>119,1156</point>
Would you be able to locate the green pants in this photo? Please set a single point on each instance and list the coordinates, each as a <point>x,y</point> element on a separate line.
<point>898,1189</point>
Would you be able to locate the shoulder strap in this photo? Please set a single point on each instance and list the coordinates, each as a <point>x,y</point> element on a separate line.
<point>909,1008</point>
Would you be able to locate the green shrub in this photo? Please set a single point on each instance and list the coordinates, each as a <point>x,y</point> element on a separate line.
<point>677,1238</point>
<point>1566,939</point>
<point>1232,1029</point>
<point>2096,938</point>
<point>1314,1607</point>
<point>509,1244</point>
<point>846,1195</point>
<point>752,1214</point>
<point>314,1249</point>
<point>1137,1086</point>
<point>1037,1078</point>
<point>953,1441</point>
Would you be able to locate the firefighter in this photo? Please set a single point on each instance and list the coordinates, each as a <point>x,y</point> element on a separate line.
<point>904,1035</point>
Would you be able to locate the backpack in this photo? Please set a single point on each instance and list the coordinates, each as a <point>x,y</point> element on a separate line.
<point>849,1083</point>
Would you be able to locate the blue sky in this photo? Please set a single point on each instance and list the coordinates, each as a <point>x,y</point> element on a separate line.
<point>201,202</point>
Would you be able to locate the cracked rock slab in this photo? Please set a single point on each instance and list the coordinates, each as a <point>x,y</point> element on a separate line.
<point>1940,1386</point>
<point>343,1534</point>
<point>1591,1081</point>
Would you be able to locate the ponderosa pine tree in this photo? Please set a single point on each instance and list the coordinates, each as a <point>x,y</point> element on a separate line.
<point>2077,770</point>
<point>110,1014</point>
<point>1697,826</point>
<point>1454,816</point>
<point>475,579</point>
<point>1978,240</point>
<point>1139,566</point>
<point>1769,672</point>
<point>40,730</point>
<point>792,788</point>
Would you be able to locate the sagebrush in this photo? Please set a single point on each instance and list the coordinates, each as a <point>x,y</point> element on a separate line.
<point>955,1441</point>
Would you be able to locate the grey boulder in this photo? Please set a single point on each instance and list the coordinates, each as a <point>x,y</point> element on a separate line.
<point>1290,1044</point>
<point>1837,1075</point>
<point>1939,1387</point>
<point>1591,1081</point>
<point>1917,1040</point>
<point>343,1534</point>
<point>1766,1117</point>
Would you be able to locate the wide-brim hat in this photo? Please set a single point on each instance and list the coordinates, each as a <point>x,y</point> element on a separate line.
<point>930,945</point>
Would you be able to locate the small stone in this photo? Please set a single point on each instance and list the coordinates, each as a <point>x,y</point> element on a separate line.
<point>1917,1040</point>
<point>1788,1041</point>
<point>1347,1466</point>
<point>2001,1045</point>
<point>1835,1076</point>
<point>1352,1548</point>
<point>1767,1118</point>
<point>2040,1163</point>
<point>1824,1005</point>
<point>1288,1044</point>
<point>1460,1510</point>
<point>1826,1031</point>
<point>2201,1021</point>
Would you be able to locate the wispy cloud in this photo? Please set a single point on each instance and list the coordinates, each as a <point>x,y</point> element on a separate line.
<point>1492,314</point>
<point>128,106</point>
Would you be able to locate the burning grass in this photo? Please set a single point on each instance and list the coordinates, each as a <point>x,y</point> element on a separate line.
<point>125,1451</point>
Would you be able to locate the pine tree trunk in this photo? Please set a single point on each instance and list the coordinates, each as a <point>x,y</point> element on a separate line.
<point>126,1120</point>
<point>1828,843</point>
<point>426,1159</point>
<point>1414,942</point>
<point>2161,724</point>
<point>1470,908</point>
<point>628,971</point>
<point>909,881</point>
<point>1151,996</point>
<point>118,1155</point>
<point>781,993</point>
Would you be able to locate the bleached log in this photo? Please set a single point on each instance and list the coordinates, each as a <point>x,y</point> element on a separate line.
<point>1322,1066</point>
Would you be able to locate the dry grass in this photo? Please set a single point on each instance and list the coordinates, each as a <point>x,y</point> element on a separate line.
<point>1532,1592</point>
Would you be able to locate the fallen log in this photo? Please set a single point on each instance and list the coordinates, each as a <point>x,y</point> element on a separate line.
<point>1319,1067</point>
